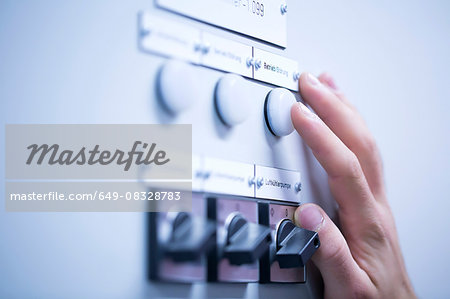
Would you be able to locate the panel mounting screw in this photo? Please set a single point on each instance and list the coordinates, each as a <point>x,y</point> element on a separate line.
<point>206,175</point>
<point>257,64</point>
<point>205,48</point>
<point>283,9</point>
<point>197,46</point>
<point>250,61</point>
<point>145,32</point>
<point>260,182</point>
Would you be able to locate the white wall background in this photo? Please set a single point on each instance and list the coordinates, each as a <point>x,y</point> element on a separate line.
<point>392,58</point>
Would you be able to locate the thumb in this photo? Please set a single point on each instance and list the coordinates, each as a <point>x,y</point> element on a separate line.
<point>339,270</point>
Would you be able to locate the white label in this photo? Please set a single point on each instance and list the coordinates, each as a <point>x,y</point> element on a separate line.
<point>168,38</point>
<point>278,184</point>
<point>261,19</point>
<point>225,177</point>
<point>275,69</point>
<point>226,55</point>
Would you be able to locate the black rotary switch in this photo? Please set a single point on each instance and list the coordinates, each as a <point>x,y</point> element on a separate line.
<point>295,245</point>
<point>191,237</point>
<point>246,242</point>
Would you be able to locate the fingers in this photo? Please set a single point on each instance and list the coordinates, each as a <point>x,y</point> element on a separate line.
<point>339,270</point>
<point>343,120</point>
<point>346,178</point>
<point>328,80</point>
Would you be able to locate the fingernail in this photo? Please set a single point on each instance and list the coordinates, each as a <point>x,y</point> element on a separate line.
<point>309,217</point>
<point>312,79</point>
<point>305,111</point>
<point>330,81</point>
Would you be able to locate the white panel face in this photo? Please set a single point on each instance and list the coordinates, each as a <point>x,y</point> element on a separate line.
<point>276,69</point>
<point>262,19</point>
<point>227,55</point>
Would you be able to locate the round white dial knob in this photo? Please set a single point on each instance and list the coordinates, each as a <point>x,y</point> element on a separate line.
<point>277,111</point>
<point>233,99</point>
<point>177,85</point>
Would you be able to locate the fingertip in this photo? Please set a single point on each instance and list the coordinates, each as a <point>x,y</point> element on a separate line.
<point>308,80</point>
<point>309,216</point>
<point>300,110</point>
<point>328,80</point>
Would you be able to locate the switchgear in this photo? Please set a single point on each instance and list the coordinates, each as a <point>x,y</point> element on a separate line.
<point>246,242</point>
<point>291,245</point>
<point>240,239</point>
<point>241,228</point>
<point>190,238</point>
<point>180,243</point>
<point>294,245</point>
<point>230,239</point>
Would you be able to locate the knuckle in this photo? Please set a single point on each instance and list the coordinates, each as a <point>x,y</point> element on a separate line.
<point>353,170</point>
<point>376,233</point>
<point>369,145</point>
<point>349,170</point>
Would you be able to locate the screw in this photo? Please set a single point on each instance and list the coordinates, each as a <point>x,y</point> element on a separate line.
<point>298,187</point>
<point>257,64</point>
<point>296,76</point>
<point>145,32</point>
<point>205,48</point>
<point>197,46</point>
<point>206,175</point>
<point>250,61</point>
<point>251,181</point>
<point>260,181</point>
<point>283,9</point>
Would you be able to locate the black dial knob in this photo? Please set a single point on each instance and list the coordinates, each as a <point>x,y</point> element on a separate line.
<point>191,237</point>
<point>294,245</point>
<point>246,242</point>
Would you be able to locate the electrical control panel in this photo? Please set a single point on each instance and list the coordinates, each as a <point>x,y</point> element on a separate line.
<point>227,68</point>
<point>241,228</point>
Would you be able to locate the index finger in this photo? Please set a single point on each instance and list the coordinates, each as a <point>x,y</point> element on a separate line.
<point>346,178</point>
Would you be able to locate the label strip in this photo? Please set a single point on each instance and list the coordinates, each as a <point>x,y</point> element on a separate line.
<point>164,37</point>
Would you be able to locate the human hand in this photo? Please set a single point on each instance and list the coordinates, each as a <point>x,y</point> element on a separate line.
<point>365,260</point>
